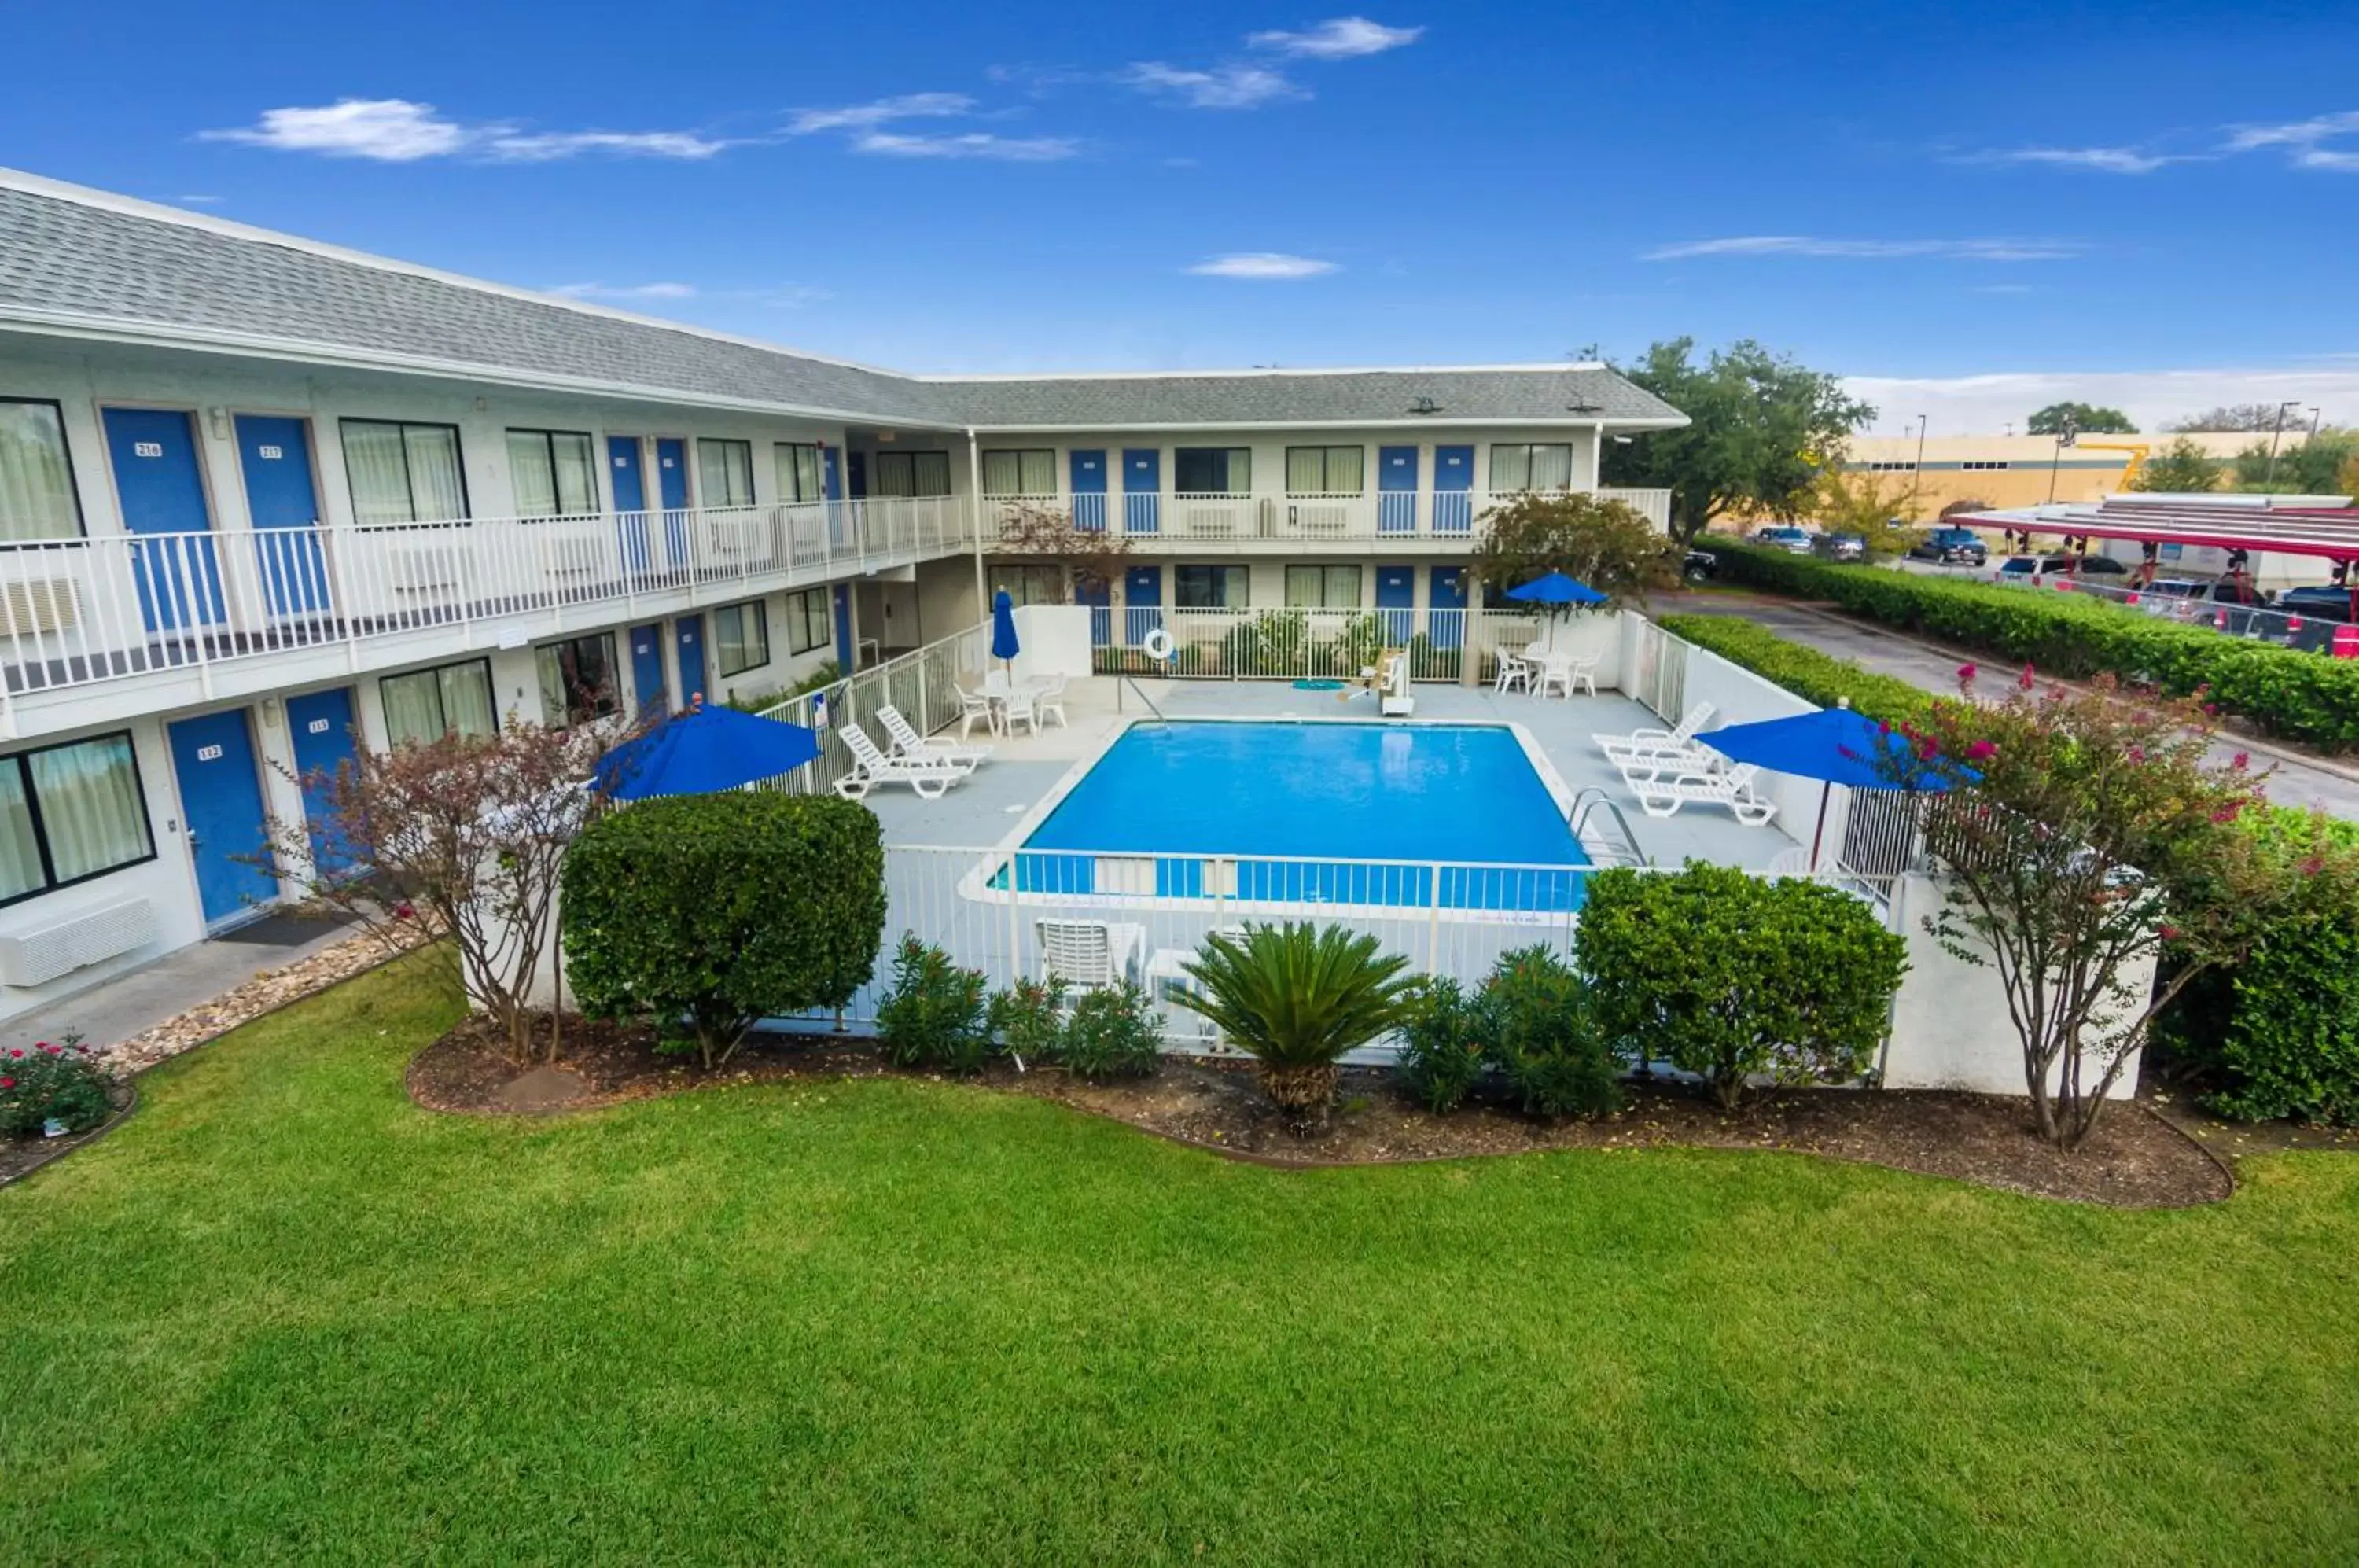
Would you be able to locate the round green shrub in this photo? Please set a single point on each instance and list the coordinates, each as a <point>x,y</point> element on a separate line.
<point>1541,1035</point>
<point>1442,1051</point>
<point>936,1014</point>
<point>1113,1033</point>
<point>706,913</point>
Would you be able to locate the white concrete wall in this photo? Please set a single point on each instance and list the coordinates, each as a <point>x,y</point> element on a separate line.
<point>1740,697</point>
<point>1054,639</point>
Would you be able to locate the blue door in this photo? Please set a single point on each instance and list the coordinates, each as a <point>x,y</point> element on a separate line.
<point>1087,485</point>
<point>1142,490</point>
<point>275,456</point>
<point>624,466</point>
<point>671,495</point>
<point>1099,597</point>
<point>221,796</point>
<point>646,668</point>
<point>1395,598</point>
<point>831,478</point>
<point>154,452</point>
<point>843,628</point>
<point>1142,591</point>
<point>1396,490</point>
<point>688,638</point>
<point>1445,611</point>
<point>320,724</point>
<point>1453,481</point>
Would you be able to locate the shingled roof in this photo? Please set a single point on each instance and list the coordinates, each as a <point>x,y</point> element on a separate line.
<point>76,260</point>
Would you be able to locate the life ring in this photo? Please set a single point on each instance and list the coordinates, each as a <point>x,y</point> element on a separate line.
<point>1157,646</point>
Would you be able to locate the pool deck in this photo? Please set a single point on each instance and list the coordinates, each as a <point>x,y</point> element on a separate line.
<point>980,812</point>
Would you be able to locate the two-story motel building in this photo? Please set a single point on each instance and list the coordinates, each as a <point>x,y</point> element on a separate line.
<point>262,500</point>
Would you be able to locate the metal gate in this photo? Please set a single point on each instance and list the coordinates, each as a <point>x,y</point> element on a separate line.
<point>1662,677</point>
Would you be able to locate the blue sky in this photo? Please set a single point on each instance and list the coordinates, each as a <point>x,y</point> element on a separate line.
<point>1918,191</point>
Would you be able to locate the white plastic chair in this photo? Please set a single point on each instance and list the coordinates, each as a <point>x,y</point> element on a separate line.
<point>1089,955</point>
<point>1021,706</point>
<point>930,779</point>
<point>1050,703</point>
<point>1513,673</point>
<point>909,745</point>
<point>973,705</point>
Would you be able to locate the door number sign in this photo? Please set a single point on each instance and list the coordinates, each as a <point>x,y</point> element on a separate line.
<point>209,754</point>
<point>147,449</point>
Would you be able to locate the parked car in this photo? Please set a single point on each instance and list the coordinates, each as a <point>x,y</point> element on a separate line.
<point>1791,539</point>
<point>2061,565</point>
<point>1701,566</point>
<point>1960,547</point>
<point>2321,601</point>
<point>1842,547</point>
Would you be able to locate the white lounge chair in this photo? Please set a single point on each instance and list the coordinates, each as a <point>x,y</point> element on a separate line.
<point>908,744</point>
<point>1658,741</point>
<point>1089,955</point>
<point>871,768</point>
<point>1663,795</point>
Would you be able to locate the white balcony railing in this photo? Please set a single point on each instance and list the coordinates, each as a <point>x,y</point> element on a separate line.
<point>1182,518</point>
<point>77,611</point>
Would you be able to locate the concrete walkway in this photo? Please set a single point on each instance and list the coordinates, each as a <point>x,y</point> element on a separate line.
<point>2297,779</point>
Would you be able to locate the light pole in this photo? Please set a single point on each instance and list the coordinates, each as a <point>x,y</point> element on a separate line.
<point>2274,435</point>
<point>2069,432</point>
<point>1917,469</point>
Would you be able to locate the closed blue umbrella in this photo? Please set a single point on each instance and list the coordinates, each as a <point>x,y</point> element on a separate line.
<point>703,751</point>
<point>1837,746</point>
<point>1558,592</point>
<point>1003,629</point>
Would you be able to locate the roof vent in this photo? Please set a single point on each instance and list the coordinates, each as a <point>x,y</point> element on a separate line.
<point>1583,406</point>
<point>1421,404</point>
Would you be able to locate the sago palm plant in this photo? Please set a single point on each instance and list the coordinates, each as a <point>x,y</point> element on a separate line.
<point>1296,998</point>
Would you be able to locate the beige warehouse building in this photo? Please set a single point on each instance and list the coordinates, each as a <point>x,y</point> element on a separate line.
<point>2019,471</point>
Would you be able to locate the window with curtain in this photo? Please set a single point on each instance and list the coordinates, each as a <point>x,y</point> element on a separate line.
<point>1325,470</point>
<point>810,620</point>
<point>1212,470</point>
<point>1029,472</point>
<point>1530,465</point>
<point>1029,584</point>
<point>36,492</point>
<point>403,473</point>
<point>741,637</point>
<point>724,473</point>
<point>70,813</point>
<point>577,679</point>
<point>453,698</point>
<point>1322,587</point>
<point>552,473</point>
<point>1208,588</point>
<point>801,476</point>
<point>913,473</point>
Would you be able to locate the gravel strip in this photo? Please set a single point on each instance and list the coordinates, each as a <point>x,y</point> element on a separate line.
<point>266,992</point>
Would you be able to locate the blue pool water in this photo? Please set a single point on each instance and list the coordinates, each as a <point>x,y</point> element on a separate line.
<point>1337,793</point>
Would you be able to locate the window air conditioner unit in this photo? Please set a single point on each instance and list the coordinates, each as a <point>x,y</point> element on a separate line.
<point>77,943</point>
<point>50,605</point>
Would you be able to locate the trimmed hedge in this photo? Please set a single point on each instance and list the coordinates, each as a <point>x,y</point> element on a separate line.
<point>1821,678</point>
<point>2303,696</point>
<point>717,910</point>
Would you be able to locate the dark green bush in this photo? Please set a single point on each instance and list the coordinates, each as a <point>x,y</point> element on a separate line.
<point>48,1083</point>
<point>937,1015</point>
<point>1442,1053</point>
<point>1730,976</point>
<point>1113,1033</point>
<point>1029,1018</point>
<point>1541,1035</point>
<point>1818,676</point>
<point>2302,695</point>
<point>705,913</point>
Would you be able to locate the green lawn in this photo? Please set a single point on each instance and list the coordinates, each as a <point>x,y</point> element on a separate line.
<point>283,1314</point>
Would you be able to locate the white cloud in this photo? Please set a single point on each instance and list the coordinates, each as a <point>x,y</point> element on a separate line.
<point>2101,160</point>
<point>1221,87</point>
<point>395,130</point>
<point>1984,405</point>
<point>2297,133</point>
<point>857,116</point>
<point>973,143</point>
<point>1806,245</point>
<point>198,200</point>
<point>1262,265</point>
<point>626,291</point>
<point>1343,37</point>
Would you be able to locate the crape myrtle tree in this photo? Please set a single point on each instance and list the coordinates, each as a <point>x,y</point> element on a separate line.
<point>2100,844</point>
<point>460,837</point>
<point>2181,468</point>
<point>1092,558</point>
<point>1603,543</point>
<point>1761,428</point>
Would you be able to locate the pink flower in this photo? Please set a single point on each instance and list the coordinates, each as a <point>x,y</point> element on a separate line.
<point>7,1082</point>
<point>1966,672</point>
<point>2170,933</point>
<point>1981,751</point>
<point>2241,761</point>
<point>2211,710</point>
<point>53,1049</point>
<point>2228,812</point>
<point>404,912</point>
<point>2137,753</point>
<point>2027,678</point>
<point>15,1054</point>
<point>2314,866</point>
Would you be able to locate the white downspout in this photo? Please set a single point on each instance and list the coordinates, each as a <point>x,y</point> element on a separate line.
<point>974,511</point>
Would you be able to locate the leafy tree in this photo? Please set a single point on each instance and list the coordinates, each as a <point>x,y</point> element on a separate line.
<point>1761,427</point>
<point>1858,502</point>
<point>1601,542</point>
<point>2098,835</point>
<point>708,913</point>
<point>2309,467</point>
<point>2086,418</point>
<point>2232,416</point>
<point>2181,468</point>
<point>1295,998</point>
<point>1092,558</point>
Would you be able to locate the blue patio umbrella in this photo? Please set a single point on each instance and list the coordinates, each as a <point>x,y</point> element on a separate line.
<point>1835,746</point>
<point>703,751</point>
<point>1558,593</point>
<point>1003,629</point>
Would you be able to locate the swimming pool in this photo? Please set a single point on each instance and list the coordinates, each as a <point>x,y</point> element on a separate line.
<point>1312,813</point>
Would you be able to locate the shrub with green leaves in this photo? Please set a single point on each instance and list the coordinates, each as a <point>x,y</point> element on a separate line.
<point>1112,1032</point>
<point>1815,677</point>
<point>1541,1034</point>
<point>47,1082</point>
<point>937,1014</point>
<point>1029,1018</point>
<point>1731,977</point>
<point>705,913</point>
<point>1441,1049</point>
<point>1297,998</point>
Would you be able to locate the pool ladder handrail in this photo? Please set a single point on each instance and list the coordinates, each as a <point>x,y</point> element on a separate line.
<point>1586,802</point>
<point>1125,679</point>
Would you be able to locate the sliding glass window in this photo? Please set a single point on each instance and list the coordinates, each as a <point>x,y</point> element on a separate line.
<point>724,473</point>
<point>810,620</point>
<point>1322,587</point>
<point>1529,465</point>
<point>1325,470</point>
<point>577,679</point>
<point>1028,472</point>
<point>1208,588</point>
<point>552,472</point>
<point>404,472</point>
<point>741,637</point>
<point>36,488</point>
<point>914,473</point>
<point>1212,470</point>
<point>802,475</point>
<point>427,705</point>
<point>70,813</point>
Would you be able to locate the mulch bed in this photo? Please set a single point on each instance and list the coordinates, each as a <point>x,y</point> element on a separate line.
<point>2135,1158</point>
<point>23,1156</point>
